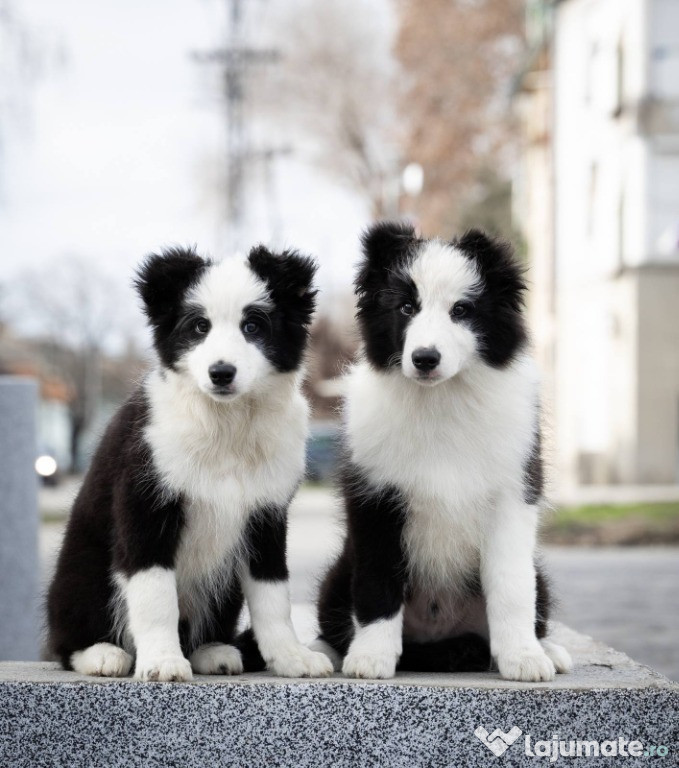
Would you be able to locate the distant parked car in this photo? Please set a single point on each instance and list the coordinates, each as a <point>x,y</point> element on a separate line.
<point>47,467</point>
<point>322,451</point>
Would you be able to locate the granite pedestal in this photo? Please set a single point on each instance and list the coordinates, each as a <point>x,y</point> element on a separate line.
<point>49,717</point>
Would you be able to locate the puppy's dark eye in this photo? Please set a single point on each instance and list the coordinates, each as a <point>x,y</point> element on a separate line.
<point>461,308</point>
<point>201,326</point>
<point>250,327</point>
<point>407,308</point>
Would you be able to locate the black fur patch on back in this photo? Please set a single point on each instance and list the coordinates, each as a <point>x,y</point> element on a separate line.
<point>497,318</point>
<point>163,281</point>
<point>382,287</point>
<point>288,277</point>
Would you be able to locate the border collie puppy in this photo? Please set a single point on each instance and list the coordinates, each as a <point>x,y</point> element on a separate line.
<point>442,480</point>
<point>183,511</point>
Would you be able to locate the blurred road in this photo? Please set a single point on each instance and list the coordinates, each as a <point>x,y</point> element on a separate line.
<point>626,597</point>
<point>623,597</point>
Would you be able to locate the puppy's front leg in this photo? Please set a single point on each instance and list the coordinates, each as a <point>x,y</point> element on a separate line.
<point>265,586</point>
<point>508,578</point>
<point>153,621</point>
<point>144,567</point>
<point>376,522</point>
<point>376,647</point>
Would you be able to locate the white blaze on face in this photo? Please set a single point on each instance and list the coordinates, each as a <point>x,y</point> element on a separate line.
<point>222,294</point>
<point>442,276</point>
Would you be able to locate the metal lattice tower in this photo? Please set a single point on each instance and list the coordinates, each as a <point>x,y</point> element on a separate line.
<point>236,59</point>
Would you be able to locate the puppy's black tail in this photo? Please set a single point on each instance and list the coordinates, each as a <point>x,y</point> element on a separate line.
<point>466,653</point>
<point>249,650</point>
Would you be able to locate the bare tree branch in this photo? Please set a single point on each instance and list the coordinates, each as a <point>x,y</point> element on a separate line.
<point>336,85</point>
<point>460,56</point>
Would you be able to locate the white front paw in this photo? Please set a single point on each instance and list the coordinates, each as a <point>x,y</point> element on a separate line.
<point>369,665</point>
<point>559,655</point>
<point>163,669</point>
<point>301,662</point>
<point>530,665</point>
<point>321,646</point>
<point>217,659</point>
<point>103,659</point>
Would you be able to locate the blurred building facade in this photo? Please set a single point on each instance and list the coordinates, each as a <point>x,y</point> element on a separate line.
<point>598,201</point>
<point>55,368</point>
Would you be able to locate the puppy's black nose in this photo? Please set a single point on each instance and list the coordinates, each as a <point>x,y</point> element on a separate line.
<point>426,358</point>
<point>221,373</point>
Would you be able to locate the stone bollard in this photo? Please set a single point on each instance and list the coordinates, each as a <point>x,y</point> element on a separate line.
<point>19,610</point>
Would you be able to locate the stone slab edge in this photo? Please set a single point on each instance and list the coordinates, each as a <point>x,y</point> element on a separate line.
<point>49,717</point>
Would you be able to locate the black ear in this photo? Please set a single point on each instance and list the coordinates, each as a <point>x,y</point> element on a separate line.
<point>385,244</point>
<point>289,279</point>
<point>498,310</point>
<point>163,280</point>
<point>501,271</point>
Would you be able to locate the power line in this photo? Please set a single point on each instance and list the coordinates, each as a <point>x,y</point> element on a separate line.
<point>237,59</point>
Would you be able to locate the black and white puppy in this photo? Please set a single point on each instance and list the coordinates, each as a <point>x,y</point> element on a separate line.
<point>442,481</point>
<point>183,511</point>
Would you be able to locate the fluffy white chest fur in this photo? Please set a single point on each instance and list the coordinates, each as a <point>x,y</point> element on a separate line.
<point>450,449</point>
<point>227,461</point>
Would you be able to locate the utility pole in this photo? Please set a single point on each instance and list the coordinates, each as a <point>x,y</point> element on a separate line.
<point>236,59</point>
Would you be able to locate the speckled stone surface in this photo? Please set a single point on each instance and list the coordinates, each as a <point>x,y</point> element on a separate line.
<point>53,718</point>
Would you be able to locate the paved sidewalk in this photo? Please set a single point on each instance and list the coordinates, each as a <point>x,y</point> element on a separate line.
<point>625,597</point>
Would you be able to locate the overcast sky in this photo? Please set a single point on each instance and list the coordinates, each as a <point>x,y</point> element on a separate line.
<point>112,163</point>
